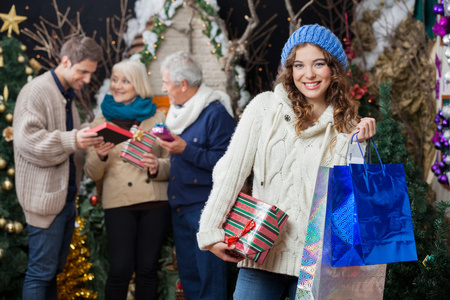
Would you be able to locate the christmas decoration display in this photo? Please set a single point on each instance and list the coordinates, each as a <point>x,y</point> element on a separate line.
<point>441,137</point>
<point>13,233</point>
<point>71,282</point>
<point>440,28</point>
<point>407,66</point>
<point>412,280</point>
<point>440,140</point>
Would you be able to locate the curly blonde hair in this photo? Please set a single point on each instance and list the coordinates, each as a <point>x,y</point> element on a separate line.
<point>338,94</point>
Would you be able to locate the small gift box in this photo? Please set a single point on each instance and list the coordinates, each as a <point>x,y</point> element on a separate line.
<point>161,131</point>
<point>112,133</point>
<point>133,149</point>
<point>253,226</point>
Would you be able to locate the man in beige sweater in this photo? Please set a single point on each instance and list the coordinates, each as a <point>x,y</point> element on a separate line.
<point>47,140</point>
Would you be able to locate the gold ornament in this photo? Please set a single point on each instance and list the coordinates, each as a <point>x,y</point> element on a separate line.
<point>23,47</point>
<point>1,50</point>
<point>11,21</point>
<point>7,185</point>
<point>8,134</point>
<point>1,61</point>
<point>35,65</point>
<point>2,108</point>
<point>28,70</point>
<point>5,93</point>
<point>2,222</point>
<point>2,163</point>
<point>20,58</point>
<point>11,172</point>
<point>9,227</point>
<point>18,227</point>
<point>9,118</point>
<point>2,253</point>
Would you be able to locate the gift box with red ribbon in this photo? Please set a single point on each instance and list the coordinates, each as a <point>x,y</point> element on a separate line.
<point>253,226</point>
<point>133,149</point>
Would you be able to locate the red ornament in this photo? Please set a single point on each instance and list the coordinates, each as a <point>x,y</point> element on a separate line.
<point>94,201</point>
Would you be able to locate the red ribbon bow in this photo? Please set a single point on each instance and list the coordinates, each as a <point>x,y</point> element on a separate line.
<point>234,238</point>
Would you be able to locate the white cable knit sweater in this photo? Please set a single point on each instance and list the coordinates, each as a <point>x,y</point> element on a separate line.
<point>284,167</point>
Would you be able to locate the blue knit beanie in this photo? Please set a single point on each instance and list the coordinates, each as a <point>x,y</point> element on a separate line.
<point>318,35</point>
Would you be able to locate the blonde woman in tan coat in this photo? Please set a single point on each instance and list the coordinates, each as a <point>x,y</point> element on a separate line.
<point>137,213</point>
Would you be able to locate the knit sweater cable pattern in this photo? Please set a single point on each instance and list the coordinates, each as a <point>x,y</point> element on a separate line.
<point>41,150</point>
<point>284,168</point>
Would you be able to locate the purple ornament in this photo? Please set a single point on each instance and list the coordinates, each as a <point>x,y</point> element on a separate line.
<point>438,172</point>
<point>434,168</point>
<point>437,62</point>
<point>443,22</point>
<point>435,137</point>
<point>438,9</point>
<point>437,89</point>
<point>441,165</point>
<point>447,160</point>
<point>437,120</point>
<point>437,145</point>
<point>440,114</point>
<point>443,179</point>
<point>439,127</point>
<point>445,144</point>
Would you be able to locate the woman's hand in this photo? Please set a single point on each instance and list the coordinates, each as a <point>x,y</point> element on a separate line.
<point>151,162</point>
<point>222,251</point>
<point>103,149</point>
<point>366,129</point>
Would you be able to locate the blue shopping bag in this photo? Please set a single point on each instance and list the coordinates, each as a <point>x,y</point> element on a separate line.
<point>371,215</point>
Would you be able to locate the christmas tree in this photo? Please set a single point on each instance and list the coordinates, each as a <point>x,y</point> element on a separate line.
<point>14,73</point>
<point>428,277</point>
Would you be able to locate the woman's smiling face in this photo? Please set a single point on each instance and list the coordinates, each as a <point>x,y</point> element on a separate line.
<point>311,74</point>
<point>122,90</point>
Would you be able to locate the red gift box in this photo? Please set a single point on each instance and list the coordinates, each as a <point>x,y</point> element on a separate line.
<point>112,133</point>
<point>253,226</point>
<point>142,142</point>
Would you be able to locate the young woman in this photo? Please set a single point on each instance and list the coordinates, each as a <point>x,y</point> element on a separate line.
<point>137,213</point>
<point>283,137</point>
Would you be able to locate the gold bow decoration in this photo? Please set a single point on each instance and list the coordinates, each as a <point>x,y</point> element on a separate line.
<point>138,136</point>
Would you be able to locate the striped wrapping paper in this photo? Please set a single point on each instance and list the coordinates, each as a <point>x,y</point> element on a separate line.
<point>133,150</point>
<point>269,220</point>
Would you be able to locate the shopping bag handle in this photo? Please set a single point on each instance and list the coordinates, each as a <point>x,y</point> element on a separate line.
<point>362,154</point>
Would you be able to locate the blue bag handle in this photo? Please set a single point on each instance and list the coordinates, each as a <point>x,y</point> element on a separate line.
<point>375,147</point>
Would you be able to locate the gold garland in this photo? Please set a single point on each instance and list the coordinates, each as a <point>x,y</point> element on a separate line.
<point>72,281</point>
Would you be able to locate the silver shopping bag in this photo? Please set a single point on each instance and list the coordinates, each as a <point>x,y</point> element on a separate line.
<point>317,278</point>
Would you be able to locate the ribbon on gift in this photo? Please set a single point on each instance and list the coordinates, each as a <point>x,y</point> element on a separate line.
<point>138,136</point>
<point>234,238</point>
